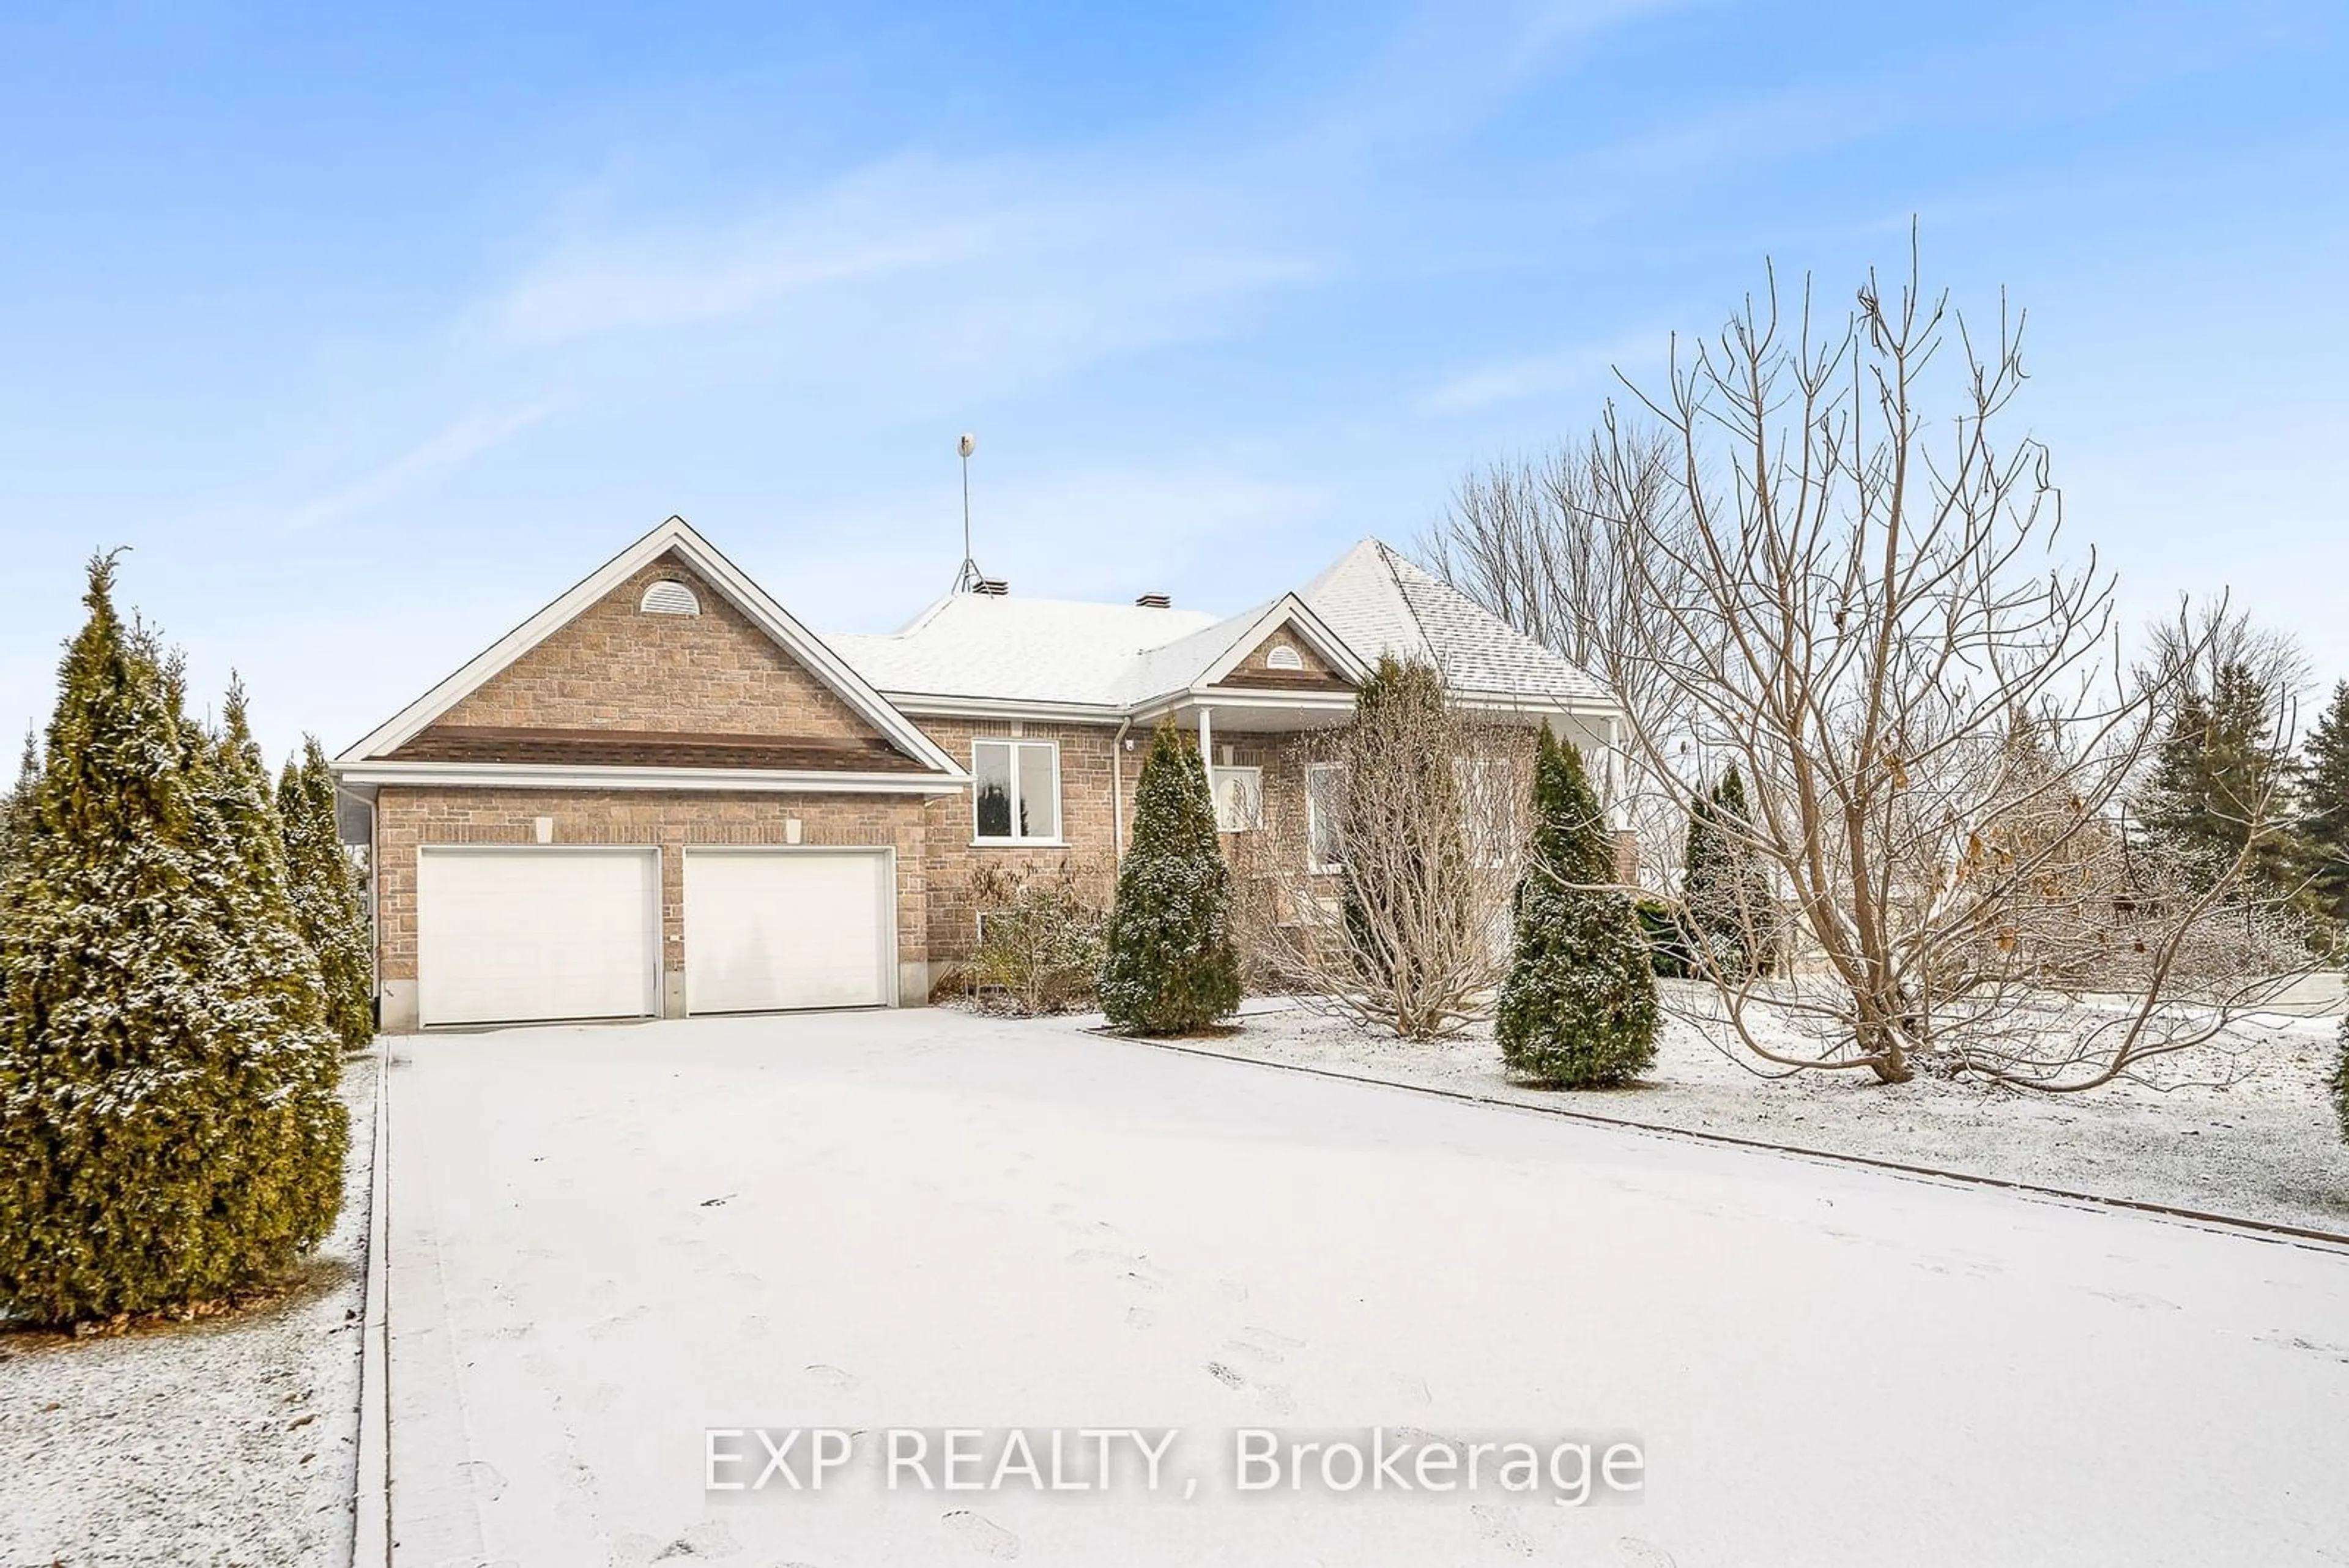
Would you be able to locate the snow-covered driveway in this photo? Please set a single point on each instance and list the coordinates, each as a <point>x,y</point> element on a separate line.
<point>606,1241</point>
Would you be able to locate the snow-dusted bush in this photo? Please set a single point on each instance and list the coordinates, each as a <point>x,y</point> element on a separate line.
<point>168,1129</point>
<point>1667,937</point>
<point>1729,915</point>
<point>1579,1007</point>
<point>325,895</point>
<point>1171,967</point>
<point>16,805</point>
<point>2341,1082</point>
<point>1041,939</point>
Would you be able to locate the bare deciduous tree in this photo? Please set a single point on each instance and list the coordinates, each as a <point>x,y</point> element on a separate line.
<point>1868,608</point>
<point>1425,810</point>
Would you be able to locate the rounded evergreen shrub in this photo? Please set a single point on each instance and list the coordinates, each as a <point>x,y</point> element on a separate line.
<point>170,1132</point>
<point>1579,1007</point>
<point>1171,966</point>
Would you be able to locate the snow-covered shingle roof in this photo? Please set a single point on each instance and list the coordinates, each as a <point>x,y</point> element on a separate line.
<point>985,646</point>
<point>1382,603</point>
<point>1016,649</point>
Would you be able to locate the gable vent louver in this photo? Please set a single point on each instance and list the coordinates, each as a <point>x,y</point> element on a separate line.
<point>1284,657</point>
<point>670,598</point>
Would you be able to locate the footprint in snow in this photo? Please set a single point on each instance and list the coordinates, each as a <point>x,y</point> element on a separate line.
<point>1496,1529</point>
<point>709,1539</point>
<point>832,1376</point>
<point>981,1535</point>
<point>488,1484</point>
<point>2136,1299</point>
<point>1272,1394</point>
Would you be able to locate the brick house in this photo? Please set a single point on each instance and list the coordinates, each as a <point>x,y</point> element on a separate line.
<point>664,794</point>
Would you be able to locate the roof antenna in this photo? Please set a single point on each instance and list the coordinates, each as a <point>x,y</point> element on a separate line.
<point>969,579</point>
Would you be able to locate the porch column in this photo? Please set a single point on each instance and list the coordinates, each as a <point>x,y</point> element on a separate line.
<point>1206,747</point>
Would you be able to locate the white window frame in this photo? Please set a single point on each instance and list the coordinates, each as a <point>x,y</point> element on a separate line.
<point>1312,818</point>
<point>1475,780</point>
<point>1256,796</point>
<point>1013,743</point>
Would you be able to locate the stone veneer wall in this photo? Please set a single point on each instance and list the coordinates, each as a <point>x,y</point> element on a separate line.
<point>408,817</point>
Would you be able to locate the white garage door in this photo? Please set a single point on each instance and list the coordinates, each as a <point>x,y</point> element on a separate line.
<point>771,928</point>
<point>509,935</point>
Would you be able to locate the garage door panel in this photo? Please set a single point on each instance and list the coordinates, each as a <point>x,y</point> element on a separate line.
<point>518,935</point>
<point>771,930</point>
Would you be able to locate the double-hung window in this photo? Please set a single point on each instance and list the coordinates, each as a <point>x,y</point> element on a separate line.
<point>1323,783</point>
<point>1016,790</point>
<point>1239,799</point>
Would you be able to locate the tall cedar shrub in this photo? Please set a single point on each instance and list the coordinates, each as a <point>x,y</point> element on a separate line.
<point>280,1000</point>
<point>1171,966</point>
<point>168,1129</point>
<point>16,806</point>
<point>1578,1008</point>
<point>2340,1084</point>
<point>1723,889</point>
<point>325,895</point>
<point>2324,808</point>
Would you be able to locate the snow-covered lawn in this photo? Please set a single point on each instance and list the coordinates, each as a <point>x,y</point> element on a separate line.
<point>606,1241</point>
<point>229,1440</point>
<point>2266,1148</point>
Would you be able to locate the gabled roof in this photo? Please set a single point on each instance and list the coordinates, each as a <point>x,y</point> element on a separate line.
<point>1383,603</point>
<point>679,537</point>
<point>984,648</point>
<point>1207,656</point>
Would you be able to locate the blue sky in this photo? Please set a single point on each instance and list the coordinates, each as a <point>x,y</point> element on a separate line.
<point>370,332</point>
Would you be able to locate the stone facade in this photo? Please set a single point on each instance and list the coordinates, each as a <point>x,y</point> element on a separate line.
<point>1257,670</point>
<point>616,668</point>
<point>1089,759</point>
<point>408,818</point>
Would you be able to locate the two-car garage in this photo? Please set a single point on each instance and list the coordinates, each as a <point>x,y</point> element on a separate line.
<point>519,933</point>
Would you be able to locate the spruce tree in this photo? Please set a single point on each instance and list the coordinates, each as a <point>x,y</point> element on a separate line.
<point>156,1081</point>
<point>325,895</point>
<point>2218,786</point>
<point>1171,966</point>
<point>1579,1007</point>
<point>2324,826</point>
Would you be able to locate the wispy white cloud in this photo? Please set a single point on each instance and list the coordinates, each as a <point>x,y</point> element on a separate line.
<point>1001,271</point>
<point>455,443</point>
<point>1516,379</point>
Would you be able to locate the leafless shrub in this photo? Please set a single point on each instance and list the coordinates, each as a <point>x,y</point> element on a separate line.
<point>1423,806</point>
<point>1041,935</point>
